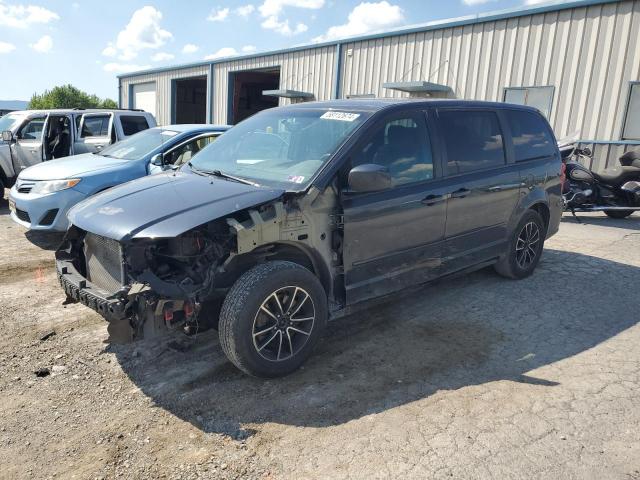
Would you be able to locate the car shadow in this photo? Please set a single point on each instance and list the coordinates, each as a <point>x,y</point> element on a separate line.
<point>45,240</point>
<point>629,223</point>
<point>466,331</point>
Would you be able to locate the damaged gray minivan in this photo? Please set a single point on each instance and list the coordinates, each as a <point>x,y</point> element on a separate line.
<point>300,214</point>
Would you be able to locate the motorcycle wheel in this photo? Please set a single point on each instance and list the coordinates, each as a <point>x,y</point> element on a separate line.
<point>618,213</point>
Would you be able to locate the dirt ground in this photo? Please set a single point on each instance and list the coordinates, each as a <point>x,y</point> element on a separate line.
<point>477,377</point>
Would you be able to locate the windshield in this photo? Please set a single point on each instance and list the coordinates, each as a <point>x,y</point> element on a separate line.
<point>280,147</point>
<point>139,145</point>
<point>10,121</point>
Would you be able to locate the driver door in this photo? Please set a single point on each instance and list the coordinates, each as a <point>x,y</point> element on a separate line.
<point>394,238</point>
<point>27,149</point>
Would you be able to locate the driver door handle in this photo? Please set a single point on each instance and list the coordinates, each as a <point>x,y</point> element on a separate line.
<point>433,199</point>
<point>461,193</point>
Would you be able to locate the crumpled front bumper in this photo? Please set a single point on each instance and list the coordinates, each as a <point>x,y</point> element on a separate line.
<point>78,288</point>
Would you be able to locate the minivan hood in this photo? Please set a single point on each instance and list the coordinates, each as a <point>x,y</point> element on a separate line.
<point>70,167</point>
<point>165,205</point>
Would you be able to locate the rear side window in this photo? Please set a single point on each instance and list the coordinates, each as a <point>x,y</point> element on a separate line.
<point>133,124</point>
<point>473,140</point>
<point>531,137</point>
<point>95,126</point>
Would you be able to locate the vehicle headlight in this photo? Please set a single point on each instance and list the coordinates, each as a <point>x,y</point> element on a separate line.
<point>54,185</point>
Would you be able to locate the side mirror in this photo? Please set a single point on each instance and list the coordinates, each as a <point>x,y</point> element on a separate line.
<point>369,177</point>
<point>157,160</point>
<point>7,136</point>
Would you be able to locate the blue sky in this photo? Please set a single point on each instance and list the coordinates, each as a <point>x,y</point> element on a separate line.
<point>88,42</point>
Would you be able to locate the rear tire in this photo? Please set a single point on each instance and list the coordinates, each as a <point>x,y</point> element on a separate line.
<point>525,247</point>
<point>618,213</point>
<point>272,318</point>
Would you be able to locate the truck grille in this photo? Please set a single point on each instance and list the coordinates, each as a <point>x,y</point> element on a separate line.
<point>103,257</point>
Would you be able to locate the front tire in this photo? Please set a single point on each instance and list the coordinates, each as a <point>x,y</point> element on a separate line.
<point>525,247</point>
<point>618,213</point>
<point>272,318</point>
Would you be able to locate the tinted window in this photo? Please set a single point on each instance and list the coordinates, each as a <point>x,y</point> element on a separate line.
<point>473,140</point>
<point>133,124</point>
<point>531,138</point>
<point>32,130</point>
<point>95,126</point>
<point>402,145</point>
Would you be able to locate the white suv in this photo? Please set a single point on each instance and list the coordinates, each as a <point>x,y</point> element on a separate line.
<point>33,136</point>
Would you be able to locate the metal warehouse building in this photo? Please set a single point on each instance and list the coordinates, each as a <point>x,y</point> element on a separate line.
<point>578,62</point>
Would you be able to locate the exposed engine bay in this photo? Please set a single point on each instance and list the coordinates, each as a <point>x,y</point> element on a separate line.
<point>162,284</point>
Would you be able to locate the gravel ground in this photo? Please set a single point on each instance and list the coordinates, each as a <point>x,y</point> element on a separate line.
<point>477,377</point>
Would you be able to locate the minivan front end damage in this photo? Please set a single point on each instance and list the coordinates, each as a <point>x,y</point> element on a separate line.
<point>159,284</point>
<point>169,276</point>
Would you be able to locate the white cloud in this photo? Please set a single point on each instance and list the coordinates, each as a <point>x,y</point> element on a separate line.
<point>22,16</point>
<point>6,47</point>
<point>43,45</point>
<point>123,67</point>
<point>274,7</point>
<point>219,15</point>
<point>163,57</point>
<point>110,50</point>
<point>245,10</point>
<point>223,52</point>
<point>142,32</point>
<point>249,49</point>
<point>190,48</point>
<point>283,27</point>
<point>365,18</point>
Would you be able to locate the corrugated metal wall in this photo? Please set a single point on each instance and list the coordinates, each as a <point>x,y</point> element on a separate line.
<point>308,70</point>
<point>588,54</point>
<point>163,88</point>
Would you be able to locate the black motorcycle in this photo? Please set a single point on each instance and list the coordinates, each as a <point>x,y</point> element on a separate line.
<point>614,191</point>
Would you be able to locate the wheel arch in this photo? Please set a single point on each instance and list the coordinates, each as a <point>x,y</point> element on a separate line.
<point>283,250</point>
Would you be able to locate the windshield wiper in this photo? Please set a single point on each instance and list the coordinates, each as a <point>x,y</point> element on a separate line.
<point>221,174</point>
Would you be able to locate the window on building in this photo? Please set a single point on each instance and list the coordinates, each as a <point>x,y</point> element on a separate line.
<point>537,97</point>
<point>402,145</point>
<point>133,124</point>
<point>530,135</point>
<point>631,129</point>
<point>95,126</point>
<point>473,140</point>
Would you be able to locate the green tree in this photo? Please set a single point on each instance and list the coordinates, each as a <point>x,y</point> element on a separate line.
<point>68,96</point>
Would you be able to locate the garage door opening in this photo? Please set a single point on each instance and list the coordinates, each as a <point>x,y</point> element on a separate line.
<point>247,93</point>
<point>191,100</point>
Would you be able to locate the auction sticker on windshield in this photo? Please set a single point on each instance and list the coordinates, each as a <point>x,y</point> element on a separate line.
<point>341,116</point>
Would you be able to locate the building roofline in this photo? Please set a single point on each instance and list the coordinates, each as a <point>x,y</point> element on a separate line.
<point>554,6</point>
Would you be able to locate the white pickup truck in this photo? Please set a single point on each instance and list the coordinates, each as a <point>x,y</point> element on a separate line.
<point>33,136</point>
